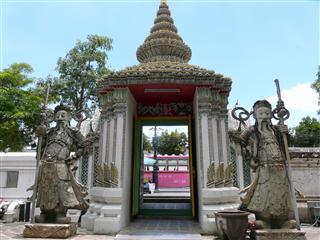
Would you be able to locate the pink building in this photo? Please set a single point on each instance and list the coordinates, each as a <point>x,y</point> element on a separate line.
<point>173,171</point>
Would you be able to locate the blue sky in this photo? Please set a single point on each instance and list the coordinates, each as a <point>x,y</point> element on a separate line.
<point>252,42</point>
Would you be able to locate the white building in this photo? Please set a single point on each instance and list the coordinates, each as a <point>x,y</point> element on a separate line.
<point>17,173</point>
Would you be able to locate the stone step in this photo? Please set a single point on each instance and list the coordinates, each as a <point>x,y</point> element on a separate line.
<point>157,236</point>
<point>152,199</point>
<point>160,229</point>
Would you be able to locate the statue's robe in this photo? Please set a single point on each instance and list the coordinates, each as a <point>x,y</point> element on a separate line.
<point>56,183</point>
<point>268,196</point>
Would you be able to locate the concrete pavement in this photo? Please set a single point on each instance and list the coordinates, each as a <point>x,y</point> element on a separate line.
<point>14,231</point>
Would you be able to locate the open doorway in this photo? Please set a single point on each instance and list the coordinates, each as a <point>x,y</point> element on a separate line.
<point>165,182</point>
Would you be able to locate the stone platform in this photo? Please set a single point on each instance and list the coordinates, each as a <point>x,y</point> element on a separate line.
<point>13,231</point>
<point>280,234</point>
<point>159,236</point>
<point>160,229</point>
<point>40,230</point>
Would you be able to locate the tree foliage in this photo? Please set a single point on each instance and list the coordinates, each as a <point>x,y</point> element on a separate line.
<point>20,106</point>
<point>316,86</point>
<point>307,133</point>
<point>172,143</point>
<point>79,70</point>
<point>146,143</point>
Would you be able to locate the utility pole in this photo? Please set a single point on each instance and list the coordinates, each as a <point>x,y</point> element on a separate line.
<point>155,144</point>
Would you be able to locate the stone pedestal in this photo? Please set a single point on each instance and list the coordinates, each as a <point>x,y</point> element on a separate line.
<point>41,230</point>
<point>107,213</point>
<point>214,200</point>
<point>280,234</point>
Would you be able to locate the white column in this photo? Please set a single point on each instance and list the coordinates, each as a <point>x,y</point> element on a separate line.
<point>103,140</point>
<point>239,160</point>
<point>90,168</point>
<point>110,144</point>
<point>119,143</point>
<point>224,151</point>
<point>215,141</point>
<point>205,148</point>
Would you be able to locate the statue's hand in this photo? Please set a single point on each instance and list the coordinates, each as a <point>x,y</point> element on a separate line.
<point>280,104</point>
<point>283,129</point>
<point>70,160</point>
<point>41,130</point>
<point>254,164</point>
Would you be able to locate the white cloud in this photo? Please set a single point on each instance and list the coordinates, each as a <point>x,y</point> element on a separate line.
<point>301,101</point>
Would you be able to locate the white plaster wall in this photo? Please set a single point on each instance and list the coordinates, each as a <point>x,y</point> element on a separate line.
<point>307,180</point>
<point>198,156</point>
<point>127,164</point>
<point>25,164</point>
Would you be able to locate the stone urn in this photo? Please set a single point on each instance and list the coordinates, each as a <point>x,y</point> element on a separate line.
<point>232,225</point>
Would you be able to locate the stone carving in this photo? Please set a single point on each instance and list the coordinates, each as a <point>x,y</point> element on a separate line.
<point>220,175</point>
<point>268,196</point>
<point>49,230</point>
<point>172,109</point>
<point>57,189</point>
<point>210,175</point>
<point>221,178</point>
<point>107,175</point>
<point>228,175</point>
<point>283,234</point>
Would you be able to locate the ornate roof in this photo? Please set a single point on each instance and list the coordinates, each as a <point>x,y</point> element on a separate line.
<point>164,59</point>
<point>166,72</point>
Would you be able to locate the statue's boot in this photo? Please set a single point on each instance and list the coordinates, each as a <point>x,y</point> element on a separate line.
<point>62,219</point>
<point>290,224</point>
<point>40,218</point>
<point>260,224</point>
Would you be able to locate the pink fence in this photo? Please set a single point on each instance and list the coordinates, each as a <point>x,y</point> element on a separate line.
<point>170,179</point>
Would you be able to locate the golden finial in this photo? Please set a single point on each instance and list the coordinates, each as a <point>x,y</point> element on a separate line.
<point>163,2</point>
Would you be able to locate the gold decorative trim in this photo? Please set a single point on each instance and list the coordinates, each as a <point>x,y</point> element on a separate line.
<point>220,175</point>
<point>107,175</point>
<point>210,175</point>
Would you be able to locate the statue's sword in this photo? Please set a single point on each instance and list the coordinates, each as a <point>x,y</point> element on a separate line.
<point>282,115</point>
<point>39,145</point>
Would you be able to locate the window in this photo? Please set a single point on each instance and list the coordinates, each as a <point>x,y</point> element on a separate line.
<point>12,179</point>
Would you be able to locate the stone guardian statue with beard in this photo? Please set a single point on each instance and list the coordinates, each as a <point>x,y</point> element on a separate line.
<point>268,196</point>
<point>57,190</point>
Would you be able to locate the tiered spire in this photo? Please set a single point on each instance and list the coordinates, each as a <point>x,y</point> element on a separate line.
<point>163,43</point>
<point>164,59</point>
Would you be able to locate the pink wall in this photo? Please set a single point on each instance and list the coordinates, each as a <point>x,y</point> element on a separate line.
<point>170,179</point>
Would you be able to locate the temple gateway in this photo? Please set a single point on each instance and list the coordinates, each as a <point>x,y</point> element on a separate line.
<point>162,90</point>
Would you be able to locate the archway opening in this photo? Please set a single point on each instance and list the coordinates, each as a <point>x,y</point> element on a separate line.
<point>164,182</point>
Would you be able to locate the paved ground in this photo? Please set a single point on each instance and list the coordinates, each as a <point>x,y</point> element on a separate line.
<point>14,231</point>
<point>175,206</point>
<point>154,229</point>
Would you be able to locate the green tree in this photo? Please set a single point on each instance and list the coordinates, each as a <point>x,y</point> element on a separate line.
<point>79,70</point>
<point>307,133</point>
<point>146,143</point>
<point>316,86</point>
<point>172,143</point>
<point>20,106</point>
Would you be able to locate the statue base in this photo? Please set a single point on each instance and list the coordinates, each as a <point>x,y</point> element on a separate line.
<point>49,230</point>
<point>279,234</point>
